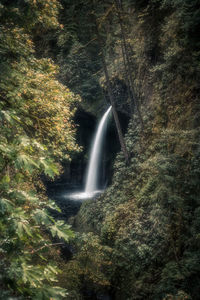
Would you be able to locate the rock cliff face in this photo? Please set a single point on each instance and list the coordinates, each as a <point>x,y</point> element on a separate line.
<point>148,218</point>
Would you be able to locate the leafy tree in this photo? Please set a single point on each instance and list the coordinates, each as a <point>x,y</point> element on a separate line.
<point>36,131</point>
<point>90,269</point>
<point>78,53</point>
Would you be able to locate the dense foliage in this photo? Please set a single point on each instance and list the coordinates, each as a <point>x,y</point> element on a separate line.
<point>36,132</point>
<point>140,239</point>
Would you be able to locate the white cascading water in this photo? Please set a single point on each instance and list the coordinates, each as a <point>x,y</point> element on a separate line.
<point>93,168</point>
<point>91,186</point>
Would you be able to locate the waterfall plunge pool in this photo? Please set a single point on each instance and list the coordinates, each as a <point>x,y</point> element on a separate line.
<point>82,195</point>
<point>69,198</point>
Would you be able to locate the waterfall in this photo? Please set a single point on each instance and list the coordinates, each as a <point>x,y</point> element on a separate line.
<point>94,162</point>
<point>91,186</point>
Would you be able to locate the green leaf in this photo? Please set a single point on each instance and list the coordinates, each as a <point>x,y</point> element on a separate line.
<point>49,167</point>
<point>23,227</point>
<point>25,162</point>
<point>32,274</point>
<point>51,204</point>
<point>6,115</point>
<point>5,179</point>
<point>5,205</point>
<point>24,196</point>
<point>61,230</point>
<point>41,217</point>
<point>48,292</point>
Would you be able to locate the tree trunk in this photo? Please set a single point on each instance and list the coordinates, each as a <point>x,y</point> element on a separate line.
<point>125,50</point>
<point>131,100</point>
<point>110,94</point>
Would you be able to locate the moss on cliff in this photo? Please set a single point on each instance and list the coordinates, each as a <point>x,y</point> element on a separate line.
<point>149,215</point>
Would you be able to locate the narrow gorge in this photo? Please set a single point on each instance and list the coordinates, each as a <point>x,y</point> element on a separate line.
<point>99,149</point>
